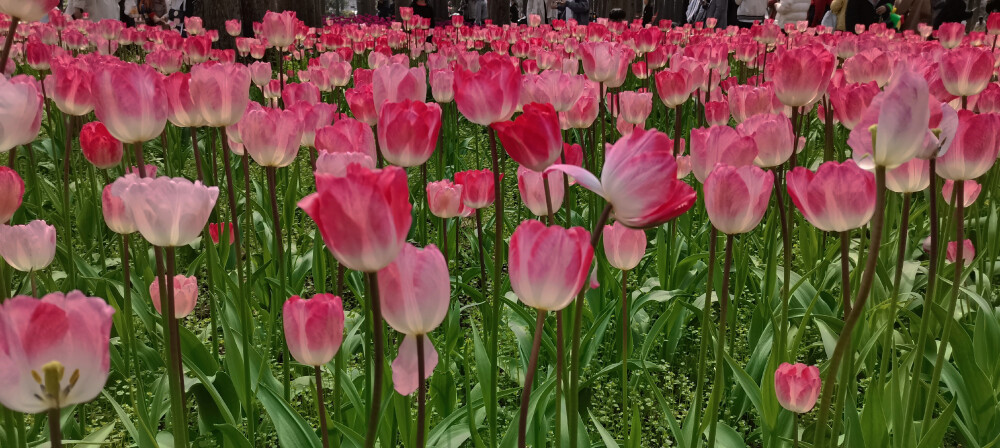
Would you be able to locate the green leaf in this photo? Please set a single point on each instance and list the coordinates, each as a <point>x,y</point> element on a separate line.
<point>609,441</point>
<point>293,431</point>
<point>936,433</point>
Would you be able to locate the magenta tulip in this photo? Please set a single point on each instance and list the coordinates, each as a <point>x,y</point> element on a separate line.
<point>408,132</point>
<point>477,188</point>
<point>797,386</point>
<point>533,139</point>
<point>99,146</point>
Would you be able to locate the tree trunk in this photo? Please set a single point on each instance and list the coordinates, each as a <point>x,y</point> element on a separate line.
<point>500,11</point>
<point>366,7</point>
<point>215,13</point>
<point>309,11</point>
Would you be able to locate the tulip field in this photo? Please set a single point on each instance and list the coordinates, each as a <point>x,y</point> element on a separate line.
<point>550,234</point>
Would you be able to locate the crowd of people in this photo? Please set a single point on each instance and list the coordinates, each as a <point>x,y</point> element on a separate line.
<point>163,13</point>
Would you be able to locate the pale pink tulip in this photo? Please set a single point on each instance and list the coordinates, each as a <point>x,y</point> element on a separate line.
<point>720,144</point>
<point>532,188</point>
<point>965,71</point>
<point>971,190</point>
<point>131,101</point>
<point>271,136</point>
<point>910,177</point>
<point>314,328</point>
<point>397,82</point>
<point>548,265</point>
<point>168,212</point>
<point>968,252</point>
<point>221,92</point>
<point>736,197</point>
<point>346,135</point>
<point>11,193</point>
<point>21,113</point>
<point>445,199</point>
<point>623,246</point>
<point>185,295</point>
<point>415,290</point>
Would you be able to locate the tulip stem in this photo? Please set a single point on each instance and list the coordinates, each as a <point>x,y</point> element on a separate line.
<point>827,128</point>
<point>529,378</point>
<point>958,199</point>
<point>279,255</point>
<point>55,431</point>
<point>321,405</point>
<point>197,155</point>
<point>423,205</point>
<point>625,407</point>
<point>786,250</point>
<point>497,268</point>
<point>560,367</point>
<point>34,284</point>
<point>893,305</point>
<point>844,340</point>
<point>174,362</point>
<point>720,372</point>
<point>482,260</point>
<point>379,357</point>
<point>795,430</point>
<point>845,270</point>
<point>421,391</point>
<point>678,115</point>
<point>705,336</point>
<point>67,220</point>
<point>11,32</point>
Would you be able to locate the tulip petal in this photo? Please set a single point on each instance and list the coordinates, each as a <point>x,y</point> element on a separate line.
<point>582,176</point>
<point>404,367</point>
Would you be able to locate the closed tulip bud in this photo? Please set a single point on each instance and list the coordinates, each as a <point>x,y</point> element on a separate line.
<point>99,147</point>
<point>623,246</point>
<point>965,71</point>
<point>21,113</point>
<point>533,139</point>
<point>675,86</point>
<point>746,101</point>
<point>851,101</point>
<point>279,28</point>
<point>314,328</point>
<point>871,65</point>
<point>477,188</point>
<point>532,188</point>
<point>408,132</point>
<point>445,199</point>
<point>362,104</point>
<point>774,137</point>
<point>974,148</point>
<point>415,290</point>
<point>797,386</point>
<point>736,197</point>
<point>836,198</point>
<point>549,265</point>
<point>215,231</point>
<point>271,136</point>
<point>185,295</point>
<point>131,101</point>
<point>602,61</point>
<point>950,34</point>
<point>260,73</point>
<point>62,338</point>
<point>344,208</point>
<point>28,247</point>
<point>909,177</point>
<point>443,85</point>
<point>234,27</point>
<point>11,193</point>
<point>168,212</point>
<point>221,92</point>
<point>346,135</point>
<point>635,107</point>
<point>28,10</point>
<point>968,252</point>
<point>490,95</point>
<point>971,190</point>
<point>720,144</point>
<point>801,75</point>
<point>717,113</point>
<point>182,112</point>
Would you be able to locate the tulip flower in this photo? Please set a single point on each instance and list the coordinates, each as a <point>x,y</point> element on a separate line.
<point>836,198</point>
<point>234,27</point>
<point>774,137</point>
<point>974,148</point>
<point>99,147</point>
<point>29,247</point>
<point>314,328</point>
<point>968,252</point>
<point>305,92</point>
<point>313,117</point>
<point>746,101</point>
<point>562,90</point>
<point>168,212</point>
<point>443,85</point>
<point>675,86</point>
<point>871,65</point>
<point>336,163</point>
<point>344,209</point>
<point>408,132</point>
<point>394,83</point>
<point>131,101</point>
<point>531,186</point>
<point>221,92</point>
<point>279,28</point>
<point>851,101</point>
<point>965,71</point>
<point>951,34</point>
<point>584,111</point>
<point>736,197</point>
<point>416,291</point>
<point>271,136</point>
<point>182,112</point>
<point>346,135</point>
<point>490,95</point>
<point>910,177</point>
<point>55,350</point>
<point>717,113</point>
<point>533,139</point>
<point>801,74</point>
<point>260,73</point>
<point>901,116</point>
<point>445,199</point>
<point>477,188</point>
<point>602,61</point>
<point>720,144</point>
<point>623,246</point>
<point>635,107</point>
<point>797,387</point>
<point>639,180</point>
<point>70,86</point>
<point>185,295</point>
<point>215,232</point>
<point>548,265</point>
<point>22,112</point>
<point>970,192</point>
<point>11,193</point>
<point>362,103</point>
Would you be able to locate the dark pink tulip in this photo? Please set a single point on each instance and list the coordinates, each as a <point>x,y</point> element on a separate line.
<point>533,139</point>
<point>131,101</point>
<point>736,197</point>
<point>346,135</point>
<point>28,11</point>
<point>532,188</point>
<point>801,75</point>
<point>397,82</point>
<point>38,55</point>
<point>965,71</point>
<point>271,136</point>
<point>279,28</point>
<point>623,246</point>
<point>988,101</point>
<point>910,177</point>
<point>314,328</point>
<point>477,188</point>
<point>362,104</point>
<point>182,112</point>
<point>99,147</point>
<point>196,49</point>
<point>59,333</point>
<point>215,232</point>
<point>444,198</point>
<point>720,144</point>
<point>21,113</point>
<point>717,113</point>
<point>971,189</point>
<point>797,387</point>
<point>490,95</point>
<point>11,193</point>
<point>168,212</point>
<point>221,92</point>
<point>851,101</point>
<point>836,198</point>
<point>968,252</point>
<point>973,149</point>
<point>549,265</point>
<point>185,295</point>
<point>408,131</point>
<point>28,247</point>
<point>674,86</point>
<point>363,216</point>
<point>774,137</point>
<point>416,290</point>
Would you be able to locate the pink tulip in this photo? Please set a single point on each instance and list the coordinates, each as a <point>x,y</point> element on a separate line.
<point>477,188</point>
<point>675,86</point>
<point>99,147</point>
<point>215,231</point>
<point>584,111</point>
<point>415,290</point>
<point>851,101</point>
<point>62,337</point>
<point>28,10</point>
<point>445,199</point>
<point>346,210</point>
<point>295,93</point>
<point>635,107</point>
<point>836,198</point>
<point>38,55</point>
<point>148,170</point>
<point>910,177</point>
<point>490,95</point>
<point>443,85</point>
<point>260,73</point>
<point>901,116</point>
<point>871,65</point>
<point>974,148</point>
<point>221,92</point>
<point>971,192</point>
<point>602,60</point>
<point>624,246</point>
<point>797,386</point>
<point>532,188</point>
<point>965,71</point>
<point>717,113</point>
<point>271,136</point>
<point>196,49</point>
<point>362,103</point>
<point>988,101</point>
<point>397,82</point>
<point>548,265</point>
<point>314,328</point>
<point>21,114</point>
<point>639,180</point>
<point>801,75</point>
<point>313,117</point>
<point>28,247</point>
<point>168,212</point>
<point>336,163</point>
<point>746,101</point>
<point>182,111</point>
<point>234,27</point>
<point>736,197</point>
<point>11,193</point>
<point>131,101</point>
<point>533,139</point>
<point>968,252</point>
<point>720,144</point>
<point>774,138</point>
<point>279,28</point>
<point>406,365</point>
<point>70,86</point>
<point>408,132</point>
<point>560,89</point>
<point>950,34</point>
<point>185,295</point>
<point>346,135</point>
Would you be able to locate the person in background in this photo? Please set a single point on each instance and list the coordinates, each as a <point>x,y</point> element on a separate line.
<point>914,13</point>
<point>153,12</point>
<point>578,10</point>
<point>423,9</point>
<point>719,10</point>
<point>749,11</point>
<point>817,9</point>
<point>839,8</point>
<point>478,11</point>
<point>96,10</point>
<point>866,12</point>
<point>515,16</point>
<point>384,9</point>
<point>949,11</point>
<point>616,15</point>
<point>648,12</point>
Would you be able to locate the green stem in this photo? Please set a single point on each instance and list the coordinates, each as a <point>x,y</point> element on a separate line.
<point>625,407</point>
<point>175,375</point>
<point>279,294</point>
<point>720,372</point>
<point>786,251</point>
<point>705,337</point>
<point>67,221</point>
<point>9,41</point>
<point>889,353</point>
<point>321,405</point>
<point>379,357</point>
<point>55,431</point>
<point>498,262</point>
<point>529,378</point>
<point>421,392</point>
